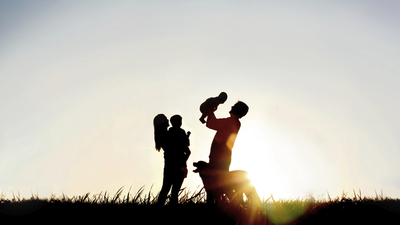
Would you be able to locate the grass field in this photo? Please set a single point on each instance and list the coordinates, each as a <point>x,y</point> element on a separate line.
<point>141,208</point>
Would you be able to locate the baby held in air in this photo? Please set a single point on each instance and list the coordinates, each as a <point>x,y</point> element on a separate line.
<point>211,104</point>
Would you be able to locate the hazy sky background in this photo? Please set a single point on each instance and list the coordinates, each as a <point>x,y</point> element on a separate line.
<point>81,81</point>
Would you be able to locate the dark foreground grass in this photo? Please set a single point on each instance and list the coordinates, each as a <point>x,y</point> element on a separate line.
<point>141,208</point>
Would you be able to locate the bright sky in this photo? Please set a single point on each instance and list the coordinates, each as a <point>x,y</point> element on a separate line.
<point>81,81</point>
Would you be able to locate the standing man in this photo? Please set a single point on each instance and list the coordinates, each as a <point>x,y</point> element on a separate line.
<point>227,130</point>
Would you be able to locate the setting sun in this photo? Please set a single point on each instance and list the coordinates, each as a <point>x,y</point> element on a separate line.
<point>253,154</point>
<point>276,164</point>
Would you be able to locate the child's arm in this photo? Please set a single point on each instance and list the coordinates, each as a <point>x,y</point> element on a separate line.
<point>187,136</point>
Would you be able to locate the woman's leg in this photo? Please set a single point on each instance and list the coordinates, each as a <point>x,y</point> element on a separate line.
<point>176,186</point>
<point>167,183</point>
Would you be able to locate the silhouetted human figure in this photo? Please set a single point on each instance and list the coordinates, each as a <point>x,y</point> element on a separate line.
<point>224,139</point>
<point>211,104</point>
<point>175,144</point>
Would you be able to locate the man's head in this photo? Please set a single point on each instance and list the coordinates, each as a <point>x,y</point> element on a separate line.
<point>240,109</point>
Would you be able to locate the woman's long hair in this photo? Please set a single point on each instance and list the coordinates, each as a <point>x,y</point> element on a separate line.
<point>160,124</point>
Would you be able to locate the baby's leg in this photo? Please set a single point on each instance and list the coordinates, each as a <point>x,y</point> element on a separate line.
<point>205,110</point>
<point>203,118</point>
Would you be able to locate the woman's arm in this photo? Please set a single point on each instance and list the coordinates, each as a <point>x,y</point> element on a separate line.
<point>187,153</point>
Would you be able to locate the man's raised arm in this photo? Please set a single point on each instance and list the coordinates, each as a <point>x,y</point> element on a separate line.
<point>212,121</point>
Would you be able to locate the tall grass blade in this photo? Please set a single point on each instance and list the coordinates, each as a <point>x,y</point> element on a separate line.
<point>117,195</point>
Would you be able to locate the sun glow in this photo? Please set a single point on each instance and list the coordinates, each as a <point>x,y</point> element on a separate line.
<point>252,152</point>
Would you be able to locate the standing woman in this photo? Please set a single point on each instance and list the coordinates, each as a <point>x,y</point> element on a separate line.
<point>161,125</point>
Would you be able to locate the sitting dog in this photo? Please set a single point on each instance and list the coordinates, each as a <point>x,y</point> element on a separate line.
<point>228,186</point>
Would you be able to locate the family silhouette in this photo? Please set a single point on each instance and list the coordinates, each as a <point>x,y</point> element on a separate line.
<point>175,143</point>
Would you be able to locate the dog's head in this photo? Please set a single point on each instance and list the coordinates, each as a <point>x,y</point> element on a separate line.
<point>200,166</point>
<point>205,173</point>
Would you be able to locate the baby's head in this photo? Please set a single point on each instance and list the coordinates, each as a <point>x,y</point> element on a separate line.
<point>222,97</point>
<point>176,121</point>
<point>240,109</point>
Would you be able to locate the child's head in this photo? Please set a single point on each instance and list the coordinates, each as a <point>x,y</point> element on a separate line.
<point>240,109</point>
<point>176,121</point>
<point>222,97</point>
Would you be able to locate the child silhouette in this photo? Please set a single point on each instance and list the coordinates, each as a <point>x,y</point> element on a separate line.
<point>211,104</point>
<point>179,140</point>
